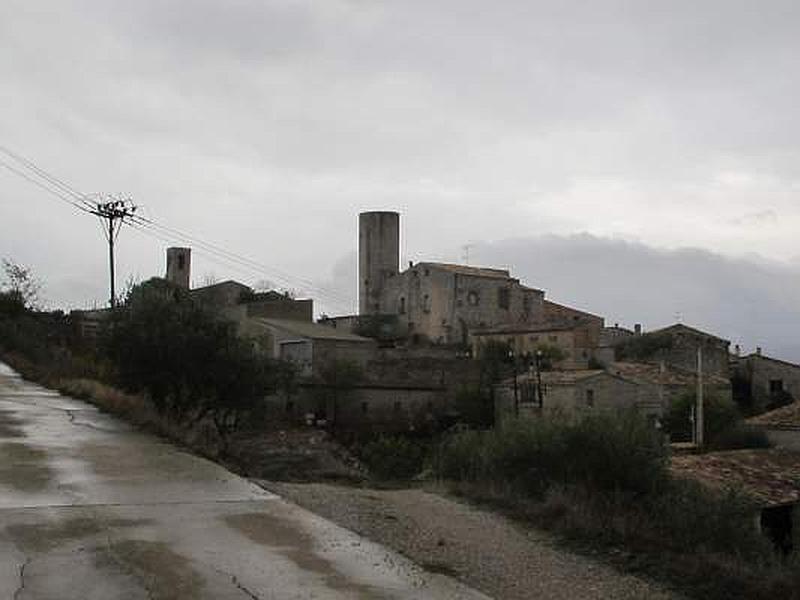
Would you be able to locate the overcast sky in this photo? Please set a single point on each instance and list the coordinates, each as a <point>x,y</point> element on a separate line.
<point>636,129</point>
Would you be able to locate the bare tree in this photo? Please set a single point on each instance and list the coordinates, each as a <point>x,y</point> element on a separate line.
<point>20,281</point>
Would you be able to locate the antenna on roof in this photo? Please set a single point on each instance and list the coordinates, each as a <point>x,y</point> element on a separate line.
<point>465,256</point>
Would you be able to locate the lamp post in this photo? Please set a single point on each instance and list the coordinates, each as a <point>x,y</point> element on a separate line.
<point>539,392</point>
<point>513,360</point>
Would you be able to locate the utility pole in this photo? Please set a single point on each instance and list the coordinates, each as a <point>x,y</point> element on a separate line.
<point>699,412</point>
<point>112,214</point>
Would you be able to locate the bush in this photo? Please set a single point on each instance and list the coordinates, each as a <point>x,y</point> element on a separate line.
<point>618,452</point>
<point>719,415</point>
<point>741,436</point>
<point>393,458</point>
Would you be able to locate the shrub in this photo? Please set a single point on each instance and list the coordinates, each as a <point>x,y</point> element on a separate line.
<point>719,415</point>
<point>741,436</point>
<point>618,452</point>
<point>393,458</point>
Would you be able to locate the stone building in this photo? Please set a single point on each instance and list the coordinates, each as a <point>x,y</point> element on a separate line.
<point>647,388</point>
<point>781,425</point>
<point>441,302</point>
<point>677,346</point>
<point>314,349</point>
<point>769,382</point>
<point>179,266</point>
<point>577,343</point>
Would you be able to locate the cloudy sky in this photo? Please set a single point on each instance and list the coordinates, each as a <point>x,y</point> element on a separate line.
<point>638,158</point>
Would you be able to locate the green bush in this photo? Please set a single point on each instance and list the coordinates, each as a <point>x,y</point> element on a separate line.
<point>618,452</point>
<point>739,437</point>
<point>719,415</point>
<point>393,458</point>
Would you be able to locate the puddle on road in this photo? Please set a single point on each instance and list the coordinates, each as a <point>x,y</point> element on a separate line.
<point>24,467</point>
<point>150,459</point>
<point>43,537</point>
<point>297,546</point>
<point>165,574</point>
<point>10,425</point>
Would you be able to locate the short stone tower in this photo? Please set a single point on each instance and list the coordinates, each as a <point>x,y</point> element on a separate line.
<point>179,266</point>
<point>378,258</point>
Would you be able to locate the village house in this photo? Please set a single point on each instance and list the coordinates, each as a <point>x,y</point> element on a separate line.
<point>677,346</point>
<point>781,425</point>
<point>770,478</point>
<point>438,302</point>
<point>766,382</point>
<point>648,389</point>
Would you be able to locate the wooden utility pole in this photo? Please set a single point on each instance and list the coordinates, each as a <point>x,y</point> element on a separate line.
<point>698,422</point>
<point>112,214</point>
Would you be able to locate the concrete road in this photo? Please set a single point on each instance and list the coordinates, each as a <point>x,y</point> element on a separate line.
<point>92,509</point>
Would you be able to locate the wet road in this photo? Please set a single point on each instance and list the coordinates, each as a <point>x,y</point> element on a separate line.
<point>92,509</point>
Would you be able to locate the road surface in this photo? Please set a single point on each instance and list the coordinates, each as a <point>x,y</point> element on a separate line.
<point>92,509</point>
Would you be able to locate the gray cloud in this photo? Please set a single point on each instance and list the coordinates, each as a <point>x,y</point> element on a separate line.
<point>266,126</point>
<point>752,303</point>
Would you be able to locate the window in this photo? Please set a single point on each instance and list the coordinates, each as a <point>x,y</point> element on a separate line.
<point>533,339</point>
<point>398,406</point>
<point>427,272</point>
<point>426,303</point>
<point>402,309</point>
<point>590,398</point>
<point>553,338</point>
<point>473,299</point>
<point>775,386</point>
<point>503,298</point>
<point>290,407</point>
<point>364,408</point>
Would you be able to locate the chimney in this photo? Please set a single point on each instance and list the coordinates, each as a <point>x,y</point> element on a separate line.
<point>637,329</point>
<point>758,350</point>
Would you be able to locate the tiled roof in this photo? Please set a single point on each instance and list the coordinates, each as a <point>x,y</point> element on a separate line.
<point>309,330</point>
<point>784,417</point>
<point>467,270</point>
<point>678,327</point>
<point>771,477</point>
<point>647,373</point>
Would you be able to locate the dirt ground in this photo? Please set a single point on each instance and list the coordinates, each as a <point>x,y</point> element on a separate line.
<point>483,549</point>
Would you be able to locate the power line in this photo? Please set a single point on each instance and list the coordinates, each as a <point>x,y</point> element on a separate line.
<point>70,195</point>
<point>45,187</point>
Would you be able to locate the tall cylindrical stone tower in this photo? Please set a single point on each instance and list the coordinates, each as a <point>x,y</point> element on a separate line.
<point>179,266</point>
<point>378,258</point>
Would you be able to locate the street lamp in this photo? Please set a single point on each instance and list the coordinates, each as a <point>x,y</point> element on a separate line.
<point>538,360</point>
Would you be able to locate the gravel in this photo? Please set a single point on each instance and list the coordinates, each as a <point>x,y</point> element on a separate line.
<point>484,550</point>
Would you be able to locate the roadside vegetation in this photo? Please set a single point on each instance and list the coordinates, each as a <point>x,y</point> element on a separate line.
<point>603,483</point>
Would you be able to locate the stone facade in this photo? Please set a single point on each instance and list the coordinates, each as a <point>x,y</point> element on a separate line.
<point>440,302</point>
<point>443,303</point>
<point>179,266</point>
<point>683,343</point>
<point>575,393</point>
<point>767,378</point>
<point>313,348</point>
<point>578,343</point>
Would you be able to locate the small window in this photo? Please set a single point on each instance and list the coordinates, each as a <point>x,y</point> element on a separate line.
<point>775,386</point>
<point>553,338</point>
<point>426,303</point>
<point>590,398</point>
<point>427,272</point>
<point>364,408</point>
<point>473,299</point>
<point>398,406</point>
<point>534,338</point>
<point>402,309</point>
<point>503,298</point>
<point>290,407</point>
